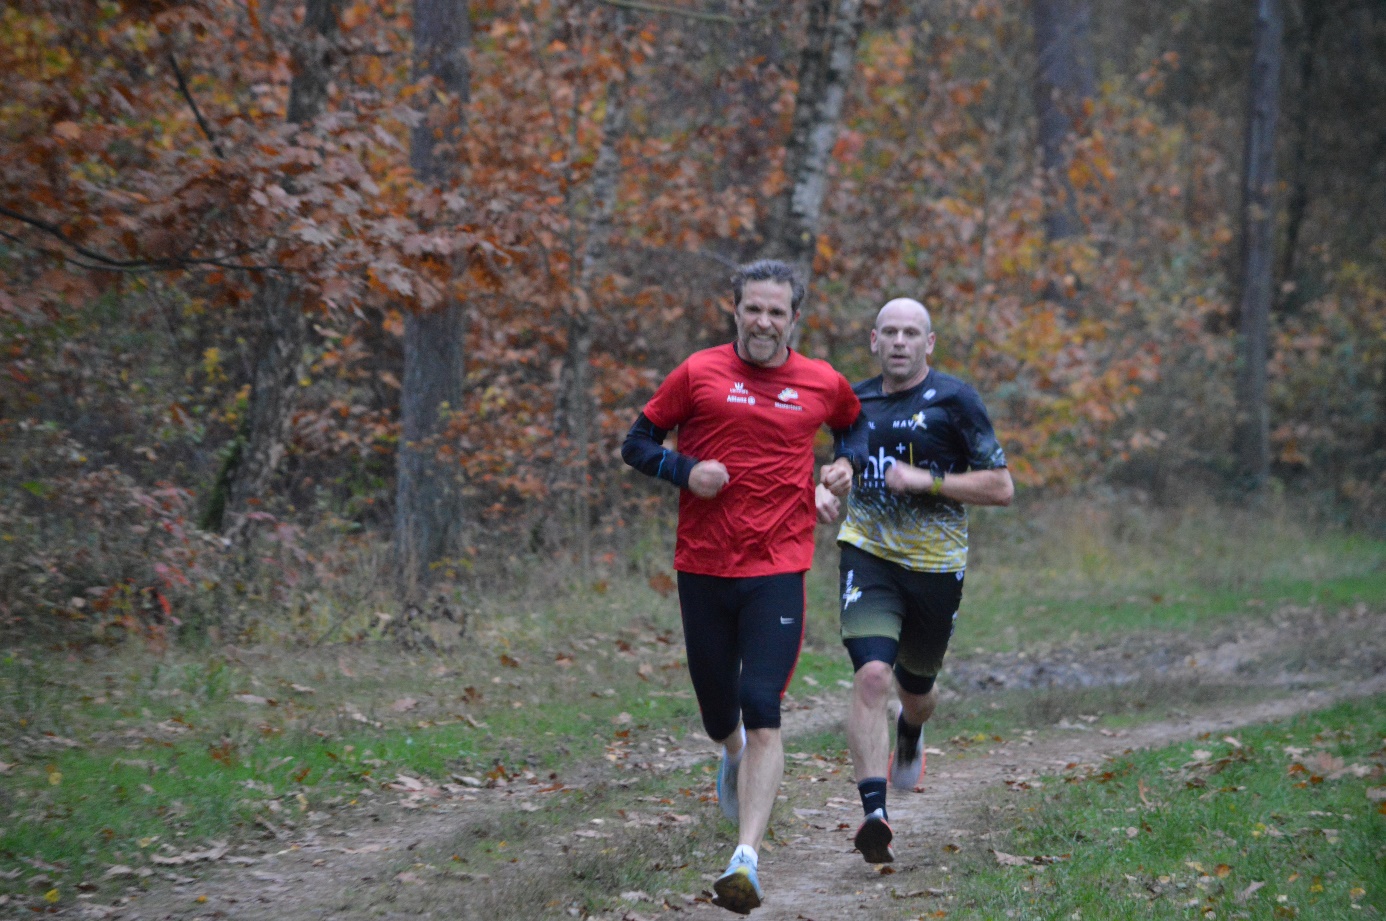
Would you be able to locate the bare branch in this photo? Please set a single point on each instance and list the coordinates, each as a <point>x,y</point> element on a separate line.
<point>103,263</point>
<point>671,10</point>
<point>192,104</point>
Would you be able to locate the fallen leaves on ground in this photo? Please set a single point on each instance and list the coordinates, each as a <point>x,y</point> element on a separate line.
<point>1040,860</point>
<point>215,852</point>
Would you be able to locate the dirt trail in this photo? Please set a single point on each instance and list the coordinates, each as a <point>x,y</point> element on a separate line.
<point>354,871</point>
<point>818,877</point>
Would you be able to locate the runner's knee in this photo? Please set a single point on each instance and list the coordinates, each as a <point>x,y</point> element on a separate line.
<point>720,725</point>
<point>914,684</point>
<point>873,681</point>
<point>864,649</point>
<point>760,708</point>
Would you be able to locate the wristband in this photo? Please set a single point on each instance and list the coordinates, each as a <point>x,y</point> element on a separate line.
<point>937,487</point>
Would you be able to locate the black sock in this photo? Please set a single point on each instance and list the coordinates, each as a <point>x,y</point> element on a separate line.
<point>907,736</point>
<point>873,795</point>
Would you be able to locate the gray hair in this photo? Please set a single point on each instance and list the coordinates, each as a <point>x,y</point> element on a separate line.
<point>769,270</point>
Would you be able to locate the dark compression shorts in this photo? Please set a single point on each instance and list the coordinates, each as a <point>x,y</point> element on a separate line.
<point>897,616</point>
<point>743,637</point>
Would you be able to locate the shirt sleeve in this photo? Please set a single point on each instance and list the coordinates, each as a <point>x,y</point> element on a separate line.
<point>644,450</point>
<point>853,443</point>
<point>846,407</point>
<point>672,403</point>
<point>970,418</point>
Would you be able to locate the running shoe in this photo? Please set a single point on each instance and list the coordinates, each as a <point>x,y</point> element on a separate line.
<point>906,768</point>
<point>738,889</point>
<point>874,837</point>
<point>726,787</point>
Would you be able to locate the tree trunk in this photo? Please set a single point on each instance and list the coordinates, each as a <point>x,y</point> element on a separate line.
<point>273,396</point>
<point>573,408</point>
<point>923,27</point>
<point>428,500</point>
<point>1315,17</point>
<point>825,71</point>
<point>251,464</point>
<point>1064,86</point>
<point>1258,239</point>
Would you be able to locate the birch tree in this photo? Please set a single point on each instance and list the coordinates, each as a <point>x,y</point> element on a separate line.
<point>825,73</point>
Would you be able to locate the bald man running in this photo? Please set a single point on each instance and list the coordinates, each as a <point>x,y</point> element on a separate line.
<point>929,450</point>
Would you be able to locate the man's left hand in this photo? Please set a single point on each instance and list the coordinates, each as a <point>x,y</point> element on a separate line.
<point>837,476</point>
<point>829,506</point>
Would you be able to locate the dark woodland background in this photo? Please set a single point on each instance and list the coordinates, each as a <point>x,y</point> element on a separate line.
<point>360,298</point>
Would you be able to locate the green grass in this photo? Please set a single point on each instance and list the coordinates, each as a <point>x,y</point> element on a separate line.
<point>113,755</point>
<point>117,758</point>
<point>1273,822</point>
<point>1072,568</point>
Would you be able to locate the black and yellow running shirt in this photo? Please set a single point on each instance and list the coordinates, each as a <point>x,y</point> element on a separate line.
<point>939,425</point>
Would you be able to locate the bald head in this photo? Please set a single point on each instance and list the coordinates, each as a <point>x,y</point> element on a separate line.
<point>905,309</point>
<point>903,341</point>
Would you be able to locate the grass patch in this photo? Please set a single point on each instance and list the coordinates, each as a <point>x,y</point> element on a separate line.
<point>114,756</point>
<point>1280,821</point>
<point>129,759</point>
<point>1086,568</point>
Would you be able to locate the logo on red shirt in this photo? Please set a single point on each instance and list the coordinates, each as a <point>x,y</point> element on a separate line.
<point>740,395</point>
<point>785,395</point>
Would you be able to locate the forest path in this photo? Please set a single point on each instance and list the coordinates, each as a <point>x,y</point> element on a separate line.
<point>817,876</point>
<point>392,861</point>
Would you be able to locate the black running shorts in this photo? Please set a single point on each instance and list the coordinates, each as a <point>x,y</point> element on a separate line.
<point>884,600</point>
<point>743,637</point>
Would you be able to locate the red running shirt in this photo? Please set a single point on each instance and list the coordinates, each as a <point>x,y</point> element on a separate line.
<point>760,423</point>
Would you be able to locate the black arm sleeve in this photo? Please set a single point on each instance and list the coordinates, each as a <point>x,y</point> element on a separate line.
<point>644,450</point>
<point>852,443</point>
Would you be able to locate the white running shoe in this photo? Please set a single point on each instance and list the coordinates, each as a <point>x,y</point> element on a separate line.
<point>738,889</point>
<point>907,767</point>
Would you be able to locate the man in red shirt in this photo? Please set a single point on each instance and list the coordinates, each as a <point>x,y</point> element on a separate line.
<point>747,414</point>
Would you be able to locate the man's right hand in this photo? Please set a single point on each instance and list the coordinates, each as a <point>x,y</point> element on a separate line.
<point>829,505</point>
<point>707,478</point>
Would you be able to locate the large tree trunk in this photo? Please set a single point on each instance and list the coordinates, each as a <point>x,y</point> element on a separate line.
<point>1064,86</point>
<point>428,499</point>
<point>923,27</point>
<point>1315,18</point>
<point>273,396</point>
<point>1258,239</point>
<point>573,415</point>
<point>825,72</point>
<point>251,464</point>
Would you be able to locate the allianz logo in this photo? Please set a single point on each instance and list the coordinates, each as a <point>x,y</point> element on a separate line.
<point>739,394</point>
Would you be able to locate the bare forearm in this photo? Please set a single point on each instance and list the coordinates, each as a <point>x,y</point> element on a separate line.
<point>975,487</point>
<point>979,487</point>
